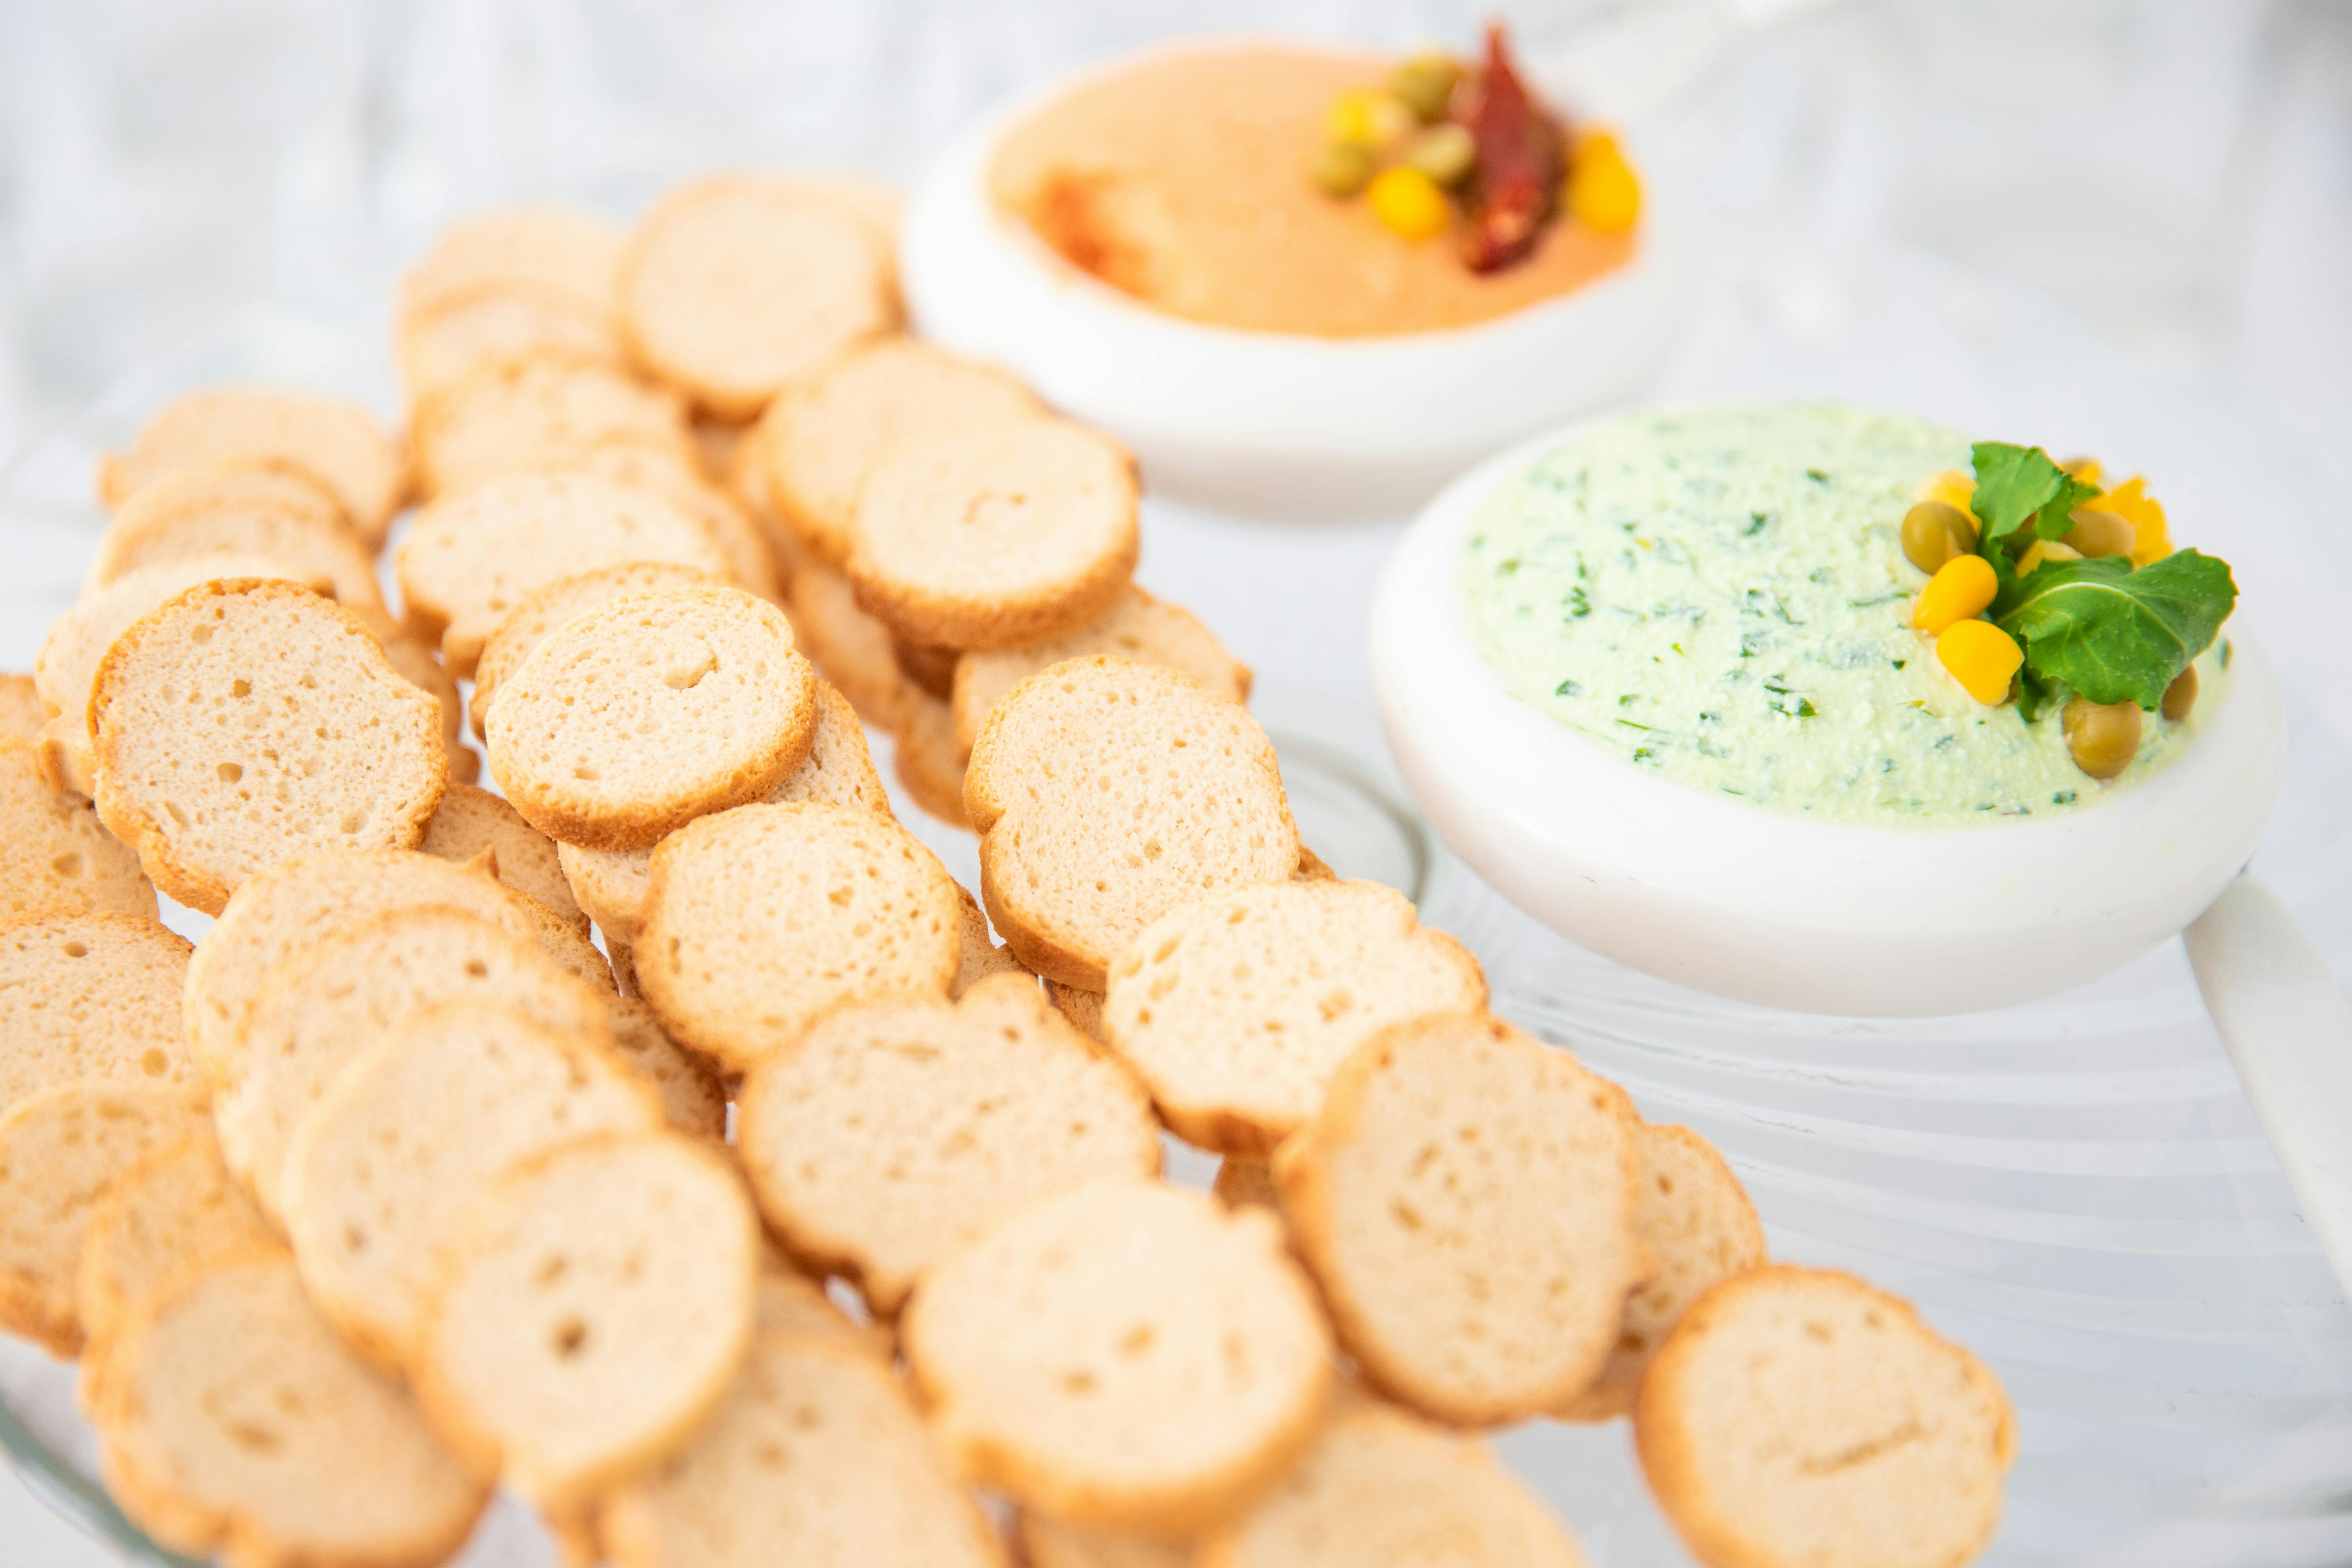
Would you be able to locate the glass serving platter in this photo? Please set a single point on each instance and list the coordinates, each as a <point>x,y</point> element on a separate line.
<point>2076,1189</point>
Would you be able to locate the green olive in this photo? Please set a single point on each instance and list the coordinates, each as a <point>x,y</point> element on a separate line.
<point>1934,533</point>
<point>1342,169</point>
<point>2180,697</point>
<point>2098,533</point>
<point>1425,82</point>
<point>1443,152</point>
<point>2104,737</point>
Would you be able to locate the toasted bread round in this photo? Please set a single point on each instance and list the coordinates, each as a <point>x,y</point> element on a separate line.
<point>788,1302</point>
<point>1125,1356</point>
<point>68,666</point>
<point>551,604</point>
<point>995,538</point>
<point>414,661</point>
<point>471,558</point>
<point>926,759</point>
<point>336,442</point>
<point>1136,627</point>
<point>1695,1218</point>
<point>54,856</point>
<point>238,1423</point>
<point>981,957</point>
<point>1380,1487</point>
<point>691,1099</point>
<point>1247,1179</point>
<point>286,909</point>
<point>1050,1543</point>
<point>1106,793</point>
<point>325,1005</point>
<point>298,548</point>
<point>592,1315</point>
<point>814,1458</point>
<point>1082,1009</point>
<point>234,485</point>
<point>632,720</point>
<point>847,645</point>
<point>825,432</point>
<point>176,1211</point>
<point>733,286</point>
<point>1466,1199</point>
<point>562,941</point>
<point>60,1148</point>
<point>531,250</point>
<point>383,1170</point>
<point>670,473</point>
<point>611,884</point>
<point>893,1130</point>
<point>759,919</point>
<point>22,710</point>
<point>1237,1009</point>
<point>1796,1416</point>
<point>471,820</point>
<point>508,415</point>
<point>440,343</point>
<point>90,996</point>
<point>247,722</point>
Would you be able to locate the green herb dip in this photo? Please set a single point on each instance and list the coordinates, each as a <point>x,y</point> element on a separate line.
<point>1720,595</point>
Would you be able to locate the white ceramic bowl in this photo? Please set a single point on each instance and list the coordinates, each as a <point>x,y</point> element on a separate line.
<point>1271,426</point>
<point>1771,907</point>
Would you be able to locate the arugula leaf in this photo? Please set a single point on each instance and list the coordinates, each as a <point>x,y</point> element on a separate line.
<point>2017,485</point>
<point>2110,633</point>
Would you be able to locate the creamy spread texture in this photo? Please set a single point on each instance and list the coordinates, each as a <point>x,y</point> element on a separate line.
<point>1720,595</point>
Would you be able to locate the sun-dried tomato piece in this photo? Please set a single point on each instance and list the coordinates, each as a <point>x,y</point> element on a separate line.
<point>1516,187</point>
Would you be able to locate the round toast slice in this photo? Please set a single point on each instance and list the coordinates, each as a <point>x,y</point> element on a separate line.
<point>551,604</point>
<point>236,485</point>
<point>825,432</point>
<point>415,661</point>
<point>338,443</point>
<point>995,538</point>
<point>1106,793</point>
<point>1083,1008</point>
<point>509,413</point>
<point>611,884</point>
<point>440,343</point>
<point>60,1148</point>
<point>1049,1543</point>
<point>55,855</point>
<point>176,1211</point>
<point>1125,1356</point>
<point>847,645</point>
<point>1466,1199</point>
<point>785,1302</point>
<point>691,1099</point>
<point>90,996</point>
<point>632,720</point>
<point>731,287</point>
<point>892,1130</point>
<point>671,473</point>
<point>593,1314</point>
<point>926,760</point>
<point>815,1458</point>
<point>1237,1009</point>
<point>322,1007</point>
<point>297,547</point>
<point>238,1423</point>
<point>245,722</point>
<point>471,558</point>
<point>1700,1229</point>
<point>535,249</point>
<point>385,1171</point>
<point>22,710</point>
<point>1798,1416</point>
<point>283,911</point>
<point>471,820</point>
<point>759,919</point>
<point>1380,1487</point>
<point>981,956</point>
<point>1136,627</point>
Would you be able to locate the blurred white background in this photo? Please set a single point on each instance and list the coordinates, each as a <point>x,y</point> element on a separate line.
<point>2169,179</point>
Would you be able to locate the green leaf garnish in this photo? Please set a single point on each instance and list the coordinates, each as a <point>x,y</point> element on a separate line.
<point>2112,634</point>
<point>2017,485</point>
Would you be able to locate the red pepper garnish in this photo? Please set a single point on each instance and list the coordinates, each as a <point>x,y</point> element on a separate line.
<point>1516,187</point>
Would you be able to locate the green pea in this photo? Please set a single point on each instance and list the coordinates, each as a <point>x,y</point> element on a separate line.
<point>1342,169</point>
<point>1425,82</point>
<point>2103,736</point>
<point>1444,153</point>
<point>2180,697</point>
<point>1934,533</point>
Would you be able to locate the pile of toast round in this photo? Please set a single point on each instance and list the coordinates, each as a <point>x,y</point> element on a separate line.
<point>661,1134</point>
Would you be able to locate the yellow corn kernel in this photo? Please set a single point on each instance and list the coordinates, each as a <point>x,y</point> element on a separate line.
<point>1603,193</point>
<point>1981,658</point>
<point>2083,468</point>
<point>2131,501</point>
<point>2042,549</point>
<point>1409,202</point>
<point>1960,588</point>
<point>1953,487</point>
<point>1366,115</point>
